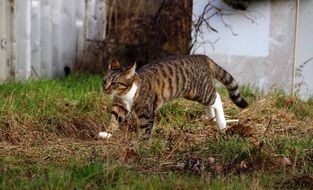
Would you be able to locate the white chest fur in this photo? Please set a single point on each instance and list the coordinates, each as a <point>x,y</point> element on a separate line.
<point>128,98</point>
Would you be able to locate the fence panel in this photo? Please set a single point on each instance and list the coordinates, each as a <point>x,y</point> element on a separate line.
<point>44,36</point>
<point>5,37</point>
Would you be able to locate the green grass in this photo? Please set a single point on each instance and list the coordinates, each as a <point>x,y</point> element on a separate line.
<point>48,141</point>
<point>44,96</point>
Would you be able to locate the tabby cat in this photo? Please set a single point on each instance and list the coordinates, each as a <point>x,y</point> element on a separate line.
<point>145,91</point>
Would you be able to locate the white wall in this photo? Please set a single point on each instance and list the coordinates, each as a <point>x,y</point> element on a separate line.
<point>304,64</point>
<point>249,27</point>
<point>262,53</point>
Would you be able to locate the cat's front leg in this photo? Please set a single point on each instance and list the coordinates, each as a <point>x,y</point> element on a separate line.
<point>118,115</point>
<point>113,124</point>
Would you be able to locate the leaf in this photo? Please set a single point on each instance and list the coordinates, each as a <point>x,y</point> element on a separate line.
<point>283,160</point>
<point>129,155</point>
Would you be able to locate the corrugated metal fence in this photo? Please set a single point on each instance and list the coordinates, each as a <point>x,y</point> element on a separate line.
<point>40,37</point>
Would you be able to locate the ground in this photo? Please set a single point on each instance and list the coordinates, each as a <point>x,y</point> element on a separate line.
<point>48,140</point>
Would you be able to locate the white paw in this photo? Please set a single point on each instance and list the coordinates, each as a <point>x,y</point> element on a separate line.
<point>105,135</point>
<point>221,124</point>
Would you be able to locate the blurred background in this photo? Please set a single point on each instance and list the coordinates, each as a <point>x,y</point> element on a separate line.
<point>263,43</point>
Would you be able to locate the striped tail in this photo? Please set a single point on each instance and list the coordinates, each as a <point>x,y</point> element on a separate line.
<point>231,85</point>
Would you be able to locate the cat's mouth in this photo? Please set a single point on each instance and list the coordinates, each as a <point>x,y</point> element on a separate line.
<point>108,92</point>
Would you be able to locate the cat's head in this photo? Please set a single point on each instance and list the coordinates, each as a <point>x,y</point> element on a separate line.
<point>118,80</point>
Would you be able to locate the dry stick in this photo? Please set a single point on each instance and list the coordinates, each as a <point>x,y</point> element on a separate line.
<point>268,126</point>
<point>126,135</point>
<point>175,148</point>
<point>232,120</point>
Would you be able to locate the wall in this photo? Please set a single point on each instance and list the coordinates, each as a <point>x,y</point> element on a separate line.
<point>44,36</point>
<point>257,45</point>
<point>304,61</point>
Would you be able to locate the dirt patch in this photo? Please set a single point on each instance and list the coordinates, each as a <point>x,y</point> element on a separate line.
<point>305,181</point>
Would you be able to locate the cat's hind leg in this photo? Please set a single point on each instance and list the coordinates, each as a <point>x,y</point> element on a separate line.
<point>148,130</point>
<point>216,110</point>
<point>210,113</point>
<point>147,122</point>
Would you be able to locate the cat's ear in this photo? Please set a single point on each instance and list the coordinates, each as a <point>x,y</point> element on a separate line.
<point>131,71</point>
<point>114,64</point>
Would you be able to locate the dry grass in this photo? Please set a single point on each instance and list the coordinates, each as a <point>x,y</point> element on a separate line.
<point>49,133</point>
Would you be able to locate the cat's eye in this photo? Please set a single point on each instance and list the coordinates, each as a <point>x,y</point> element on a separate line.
<point>123,84</point>
<point>120,120</point>
<point>113,83</point>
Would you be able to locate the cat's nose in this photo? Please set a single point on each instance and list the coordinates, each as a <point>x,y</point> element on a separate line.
<point>106,88</point>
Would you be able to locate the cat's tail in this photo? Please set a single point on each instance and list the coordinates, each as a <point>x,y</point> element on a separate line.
<point>231,85</point>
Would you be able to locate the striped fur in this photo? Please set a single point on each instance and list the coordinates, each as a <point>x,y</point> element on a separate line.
<point>189,76</point>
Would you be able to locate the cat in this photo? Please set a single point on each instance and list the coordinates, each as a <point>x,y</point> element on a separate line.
<point>145,91</point>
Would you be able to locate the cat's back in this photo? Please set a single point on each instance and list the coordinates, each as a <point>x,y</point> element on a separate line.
<point>174,77</point>
<point>170,66</point>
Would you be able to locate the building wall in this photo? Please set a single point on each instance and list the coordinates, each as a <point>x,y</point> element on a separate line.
<point>304,58</point>
<point>44,36</point>
<point>258,45</point>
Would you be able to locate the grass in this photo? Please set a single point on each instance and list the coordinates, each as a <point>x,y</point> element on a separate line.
<point>48,140</point>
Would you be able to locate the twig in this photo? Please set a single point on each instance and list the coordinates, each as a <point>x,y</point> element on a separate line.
<point>268,126</point>
<point>232,120</point>
<point>174,149</point>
